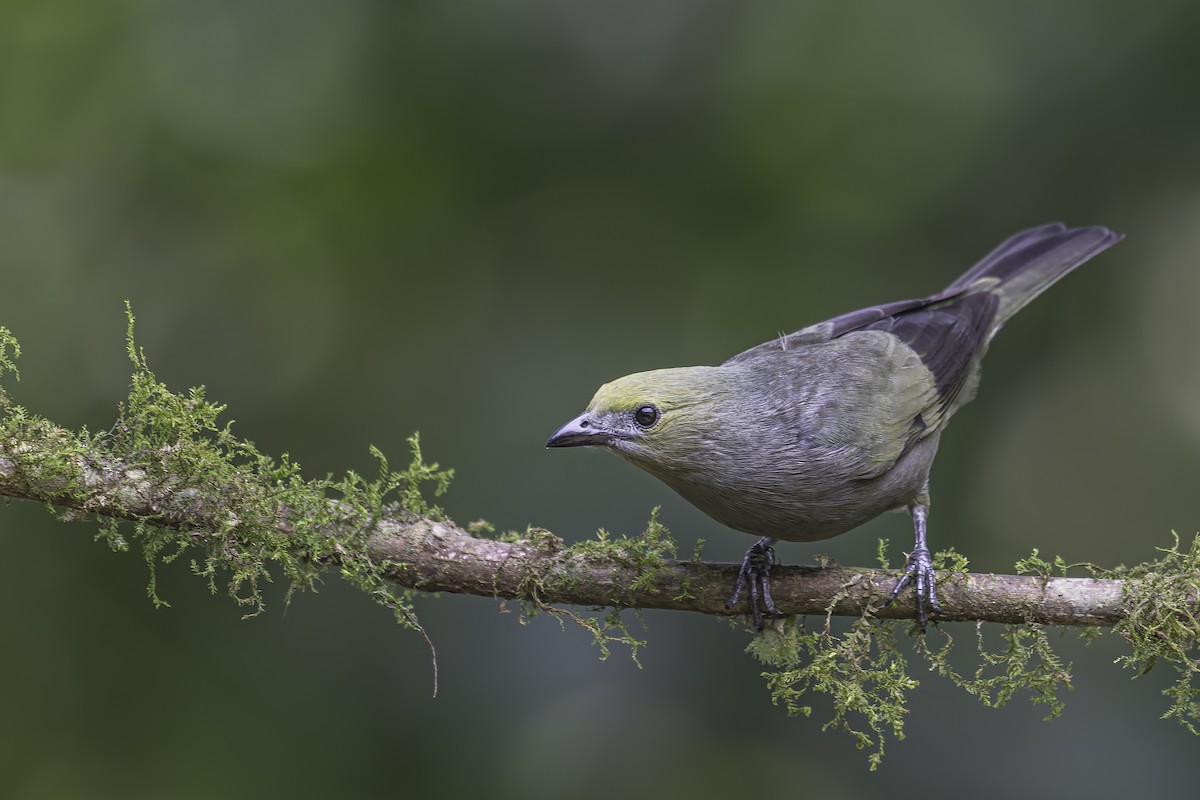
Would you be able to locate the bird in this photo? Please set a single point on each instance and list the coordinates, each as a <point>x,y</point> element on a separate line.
<point>811,434</point>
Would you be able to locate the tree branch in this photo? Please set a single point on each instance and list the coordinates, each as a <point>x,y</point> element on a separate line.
<point>427,554</point>
<point>439,556</point>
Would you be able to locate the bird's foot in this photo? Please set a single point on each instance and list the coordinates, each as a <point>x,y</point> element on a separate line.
<point>919,572</point>
<point>756,570</point>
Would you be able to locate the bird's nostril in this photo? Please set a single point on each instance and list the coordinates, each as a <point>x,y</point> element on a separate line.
<point>583,423</point>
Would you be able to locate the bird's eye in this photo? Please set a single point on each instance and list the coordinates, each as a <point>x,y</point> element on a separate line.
<point>646,416</point>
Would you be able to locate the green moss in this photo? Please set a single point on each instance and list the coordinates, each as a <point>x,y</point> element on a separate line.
<point>185,484</point>
<point>1023,663</point>
<point>646,554</point>
<point>10,351</point>
<point>1034,564</point>
<point>863,669</point>
<point>1162,624</point>
<point>607,630</point>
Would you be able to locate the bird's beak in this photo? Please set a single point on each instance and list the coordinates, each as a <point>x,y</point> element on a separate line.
<point>579,432</point>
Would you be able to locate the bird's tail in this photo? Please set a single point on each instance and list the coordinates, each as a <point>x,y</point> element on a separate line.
<point>1027,263</point>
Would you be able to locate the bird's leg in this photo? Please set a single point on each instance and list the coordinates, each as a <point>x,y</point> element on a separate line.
<point>919,570</point>
<point>756,568</point>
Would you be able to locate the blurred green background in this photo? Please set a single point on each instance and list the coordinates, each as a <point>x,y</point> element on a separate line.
<point>358,219</point>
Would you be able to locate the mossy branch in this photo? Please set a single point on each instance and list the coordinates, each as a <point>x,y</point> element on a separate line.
<point>186,481</point>
<point>438,556</point>
<point>187,485</point>
<point>46,463</point>
<point>242,510</point>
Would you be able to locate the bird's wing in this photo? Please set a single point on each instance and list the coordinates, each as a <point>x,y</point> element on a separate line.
<point>840,325</point>
<point>925,368</point>
<point>945,330</point>
<point>947,336</point>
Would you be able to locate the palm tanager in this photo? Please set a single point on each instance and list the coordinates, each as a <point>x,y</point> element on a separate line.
<point>812,434</point>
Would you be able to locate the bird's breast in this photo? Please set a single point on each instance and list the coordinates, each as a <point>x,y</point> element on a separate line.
<point>797,497</point>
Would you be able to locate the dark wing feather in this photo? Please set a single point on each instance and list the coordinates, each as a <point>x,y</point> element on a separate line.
<point>947,336</point>
<point>838,326</point>
<point>876,315</point>
<point>993,264</point>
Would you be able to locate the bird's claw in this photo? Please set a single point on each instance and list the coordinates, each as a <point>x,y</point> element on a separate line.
<point>919,572</point>
<point>756,570</point>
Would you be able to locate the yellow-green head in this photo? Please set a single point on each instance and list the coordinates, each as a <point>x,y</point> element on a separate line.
<point>647,415</point>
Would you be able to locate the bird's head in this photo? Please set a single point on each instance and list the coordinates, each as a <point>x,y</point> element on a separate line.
<point>656,417</point>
